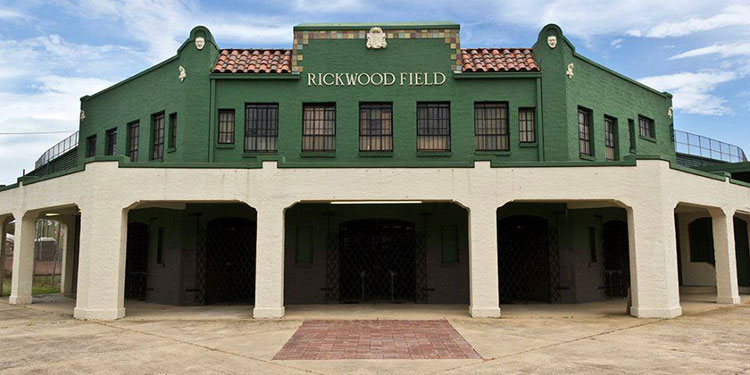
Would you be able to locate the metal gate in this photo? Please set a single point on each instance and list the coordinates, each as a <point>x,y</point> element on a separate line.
<point>377,261</point>
<point>136,263</point>
<point>226,261</point>
<point>528,260</point>
<point>616,251</point>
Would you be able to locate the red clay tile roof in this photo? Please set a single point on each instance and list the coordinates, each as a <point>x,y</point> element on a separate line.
<point>498,60</point>
<point>254,61</point>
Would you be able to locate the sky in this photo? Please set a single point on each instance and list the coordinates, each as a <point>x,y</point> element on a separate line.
<point>54,52</point>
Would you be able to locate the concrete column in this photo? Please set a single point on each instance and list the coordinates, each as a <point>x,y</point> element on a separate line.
<point>653,262</point>
<point>269,263</point>
<point>3,231</point>
<point>727,288</point>
<point>483,277</point>
<point>66,279</point>
<point>23,259</point>
<point>101,263</point>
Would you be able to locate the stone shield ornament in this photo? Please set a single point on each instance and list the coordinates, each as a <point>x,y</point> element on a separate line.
<point>552,41</point>
<point>200,42</point>
<point>376,38</point>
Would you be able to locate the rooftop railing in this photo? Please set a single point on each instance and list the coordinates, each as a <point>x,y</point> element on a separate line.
<point>698,145</point>
<point>55,151</point>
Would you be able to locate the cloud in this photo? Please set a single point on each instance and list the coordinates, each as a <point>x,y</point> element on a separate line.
<point>692,91</point>
<point>733,15</point>
<point>723,50</point>
<point>10,14</point>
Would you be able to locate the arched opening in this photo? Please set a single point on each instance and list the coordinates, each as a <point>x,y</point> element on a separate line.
<point>524,256</point>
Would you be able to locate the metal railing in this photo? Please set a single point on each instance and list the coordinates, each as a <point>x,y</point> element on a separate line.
<point>55,151</point>
<point>698,145</point>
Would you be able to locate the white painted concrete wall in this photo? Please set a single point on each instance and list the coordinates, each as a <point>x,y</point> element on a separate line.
<point>650,191</point>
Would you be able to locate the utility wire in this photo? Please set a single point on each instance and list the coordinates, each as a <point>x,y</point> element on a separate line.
<point>33,133</point>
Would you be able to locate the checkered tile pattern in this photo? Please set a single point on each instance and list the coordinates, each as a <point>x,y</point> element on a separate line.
<point>376,339</point>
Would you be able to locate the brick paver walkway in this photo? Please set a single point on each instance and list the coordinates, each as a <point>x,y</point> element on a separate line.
<point>376,339</point>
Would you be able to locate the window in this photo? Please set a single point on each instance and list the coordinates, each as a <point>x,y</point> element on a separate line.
<point>91,146</point>
<point>701,236</point>
<point>110,138</point>
<point>261,127</point>
<point>433,127</point>
<point>133,137</point>
<point>631,133</point>
<point>160,246</point>
<point>449,236</point>
<point>157,136</point>
<point>527,125</point>
<point>610,137</point>
<point>376,127</point>
<point>319,128</point>
<point>172,130</point>
<point>491,126</point>
<point>304,245</point>
<point>592,245</point>
<point>226,127</point>
<point>584,132</point>
<point>645,127</point>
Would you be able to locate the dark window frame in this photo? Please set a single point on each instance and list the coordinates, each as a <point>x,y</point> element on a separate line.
<point>225,129</point>
<point>158,136</point>
<point>262,129</point>
<point>134,135</point>
<point>631,134</point>
<point>110,142</point>
<point>91,146</point>
<point>585,132</point>
<point>521,131</point>
<point>172,131</point>
<point>431,130</point>
<point>610,138</point>
<point>646,127</point>
<point>375,134</point>
<point>491,132</point>
<point>319,132</point>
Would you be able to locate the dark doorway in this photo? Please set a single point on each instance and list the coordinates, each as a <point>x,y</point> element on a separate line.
<point>136,262</point>
<point>616,250</point>
<point>230,261</point>
<point>742,252</point>
<point>524,259</point>
<point>377,261</point>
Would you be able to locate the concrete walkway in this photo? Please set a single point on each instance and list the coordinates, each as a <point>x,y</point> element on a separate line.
<point>590,338</point>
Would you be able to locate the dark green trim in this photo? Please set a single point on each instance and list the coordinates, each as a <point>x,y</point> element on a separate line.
<point>492,153</point>
<point>292,76</point>
<point>587,157</point>
<point>528,144</point>
<point>434,153</point>
<point>171,149</point>
<point>653,140</point>
<point>384,26</point>
<point>368,154</point>
<point>225,146</point>
<point>317,154</point>
<point>495,75</point>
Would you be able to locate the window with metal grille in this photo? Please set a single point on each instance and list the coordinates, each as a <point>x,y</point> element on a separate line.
<point>91,146</point>
<point>376,127</point>
<point>584,132</point>
<point>491,126</point>
<point>610,137</point>
<point>157,136</point>
<point>226,126</point>
<point>631,133</point>
<point>261,127</point>
<point>110,138</point>
<point>433,127</point>
<point>133,138</point>
<point>646,127</point>
<point>527,125</point>
<point>319,128</point>
<point>172,130</point>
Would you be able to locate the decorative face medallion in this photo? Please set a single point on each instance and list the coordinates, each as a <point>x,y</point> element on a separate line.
<point>376,38</point>
<point>552,41</point>
<point>200,42</point>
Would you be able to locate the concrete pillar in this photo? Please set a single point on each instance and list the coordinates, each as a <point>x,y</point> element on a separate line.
<point>653,262</point>
<point>269,263</point>
<point>23,259</point>
<point>101,263</point>
<point>3,231</point>
<point>727,288</point>
<point>483,277</point>
<point>66,279</point>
